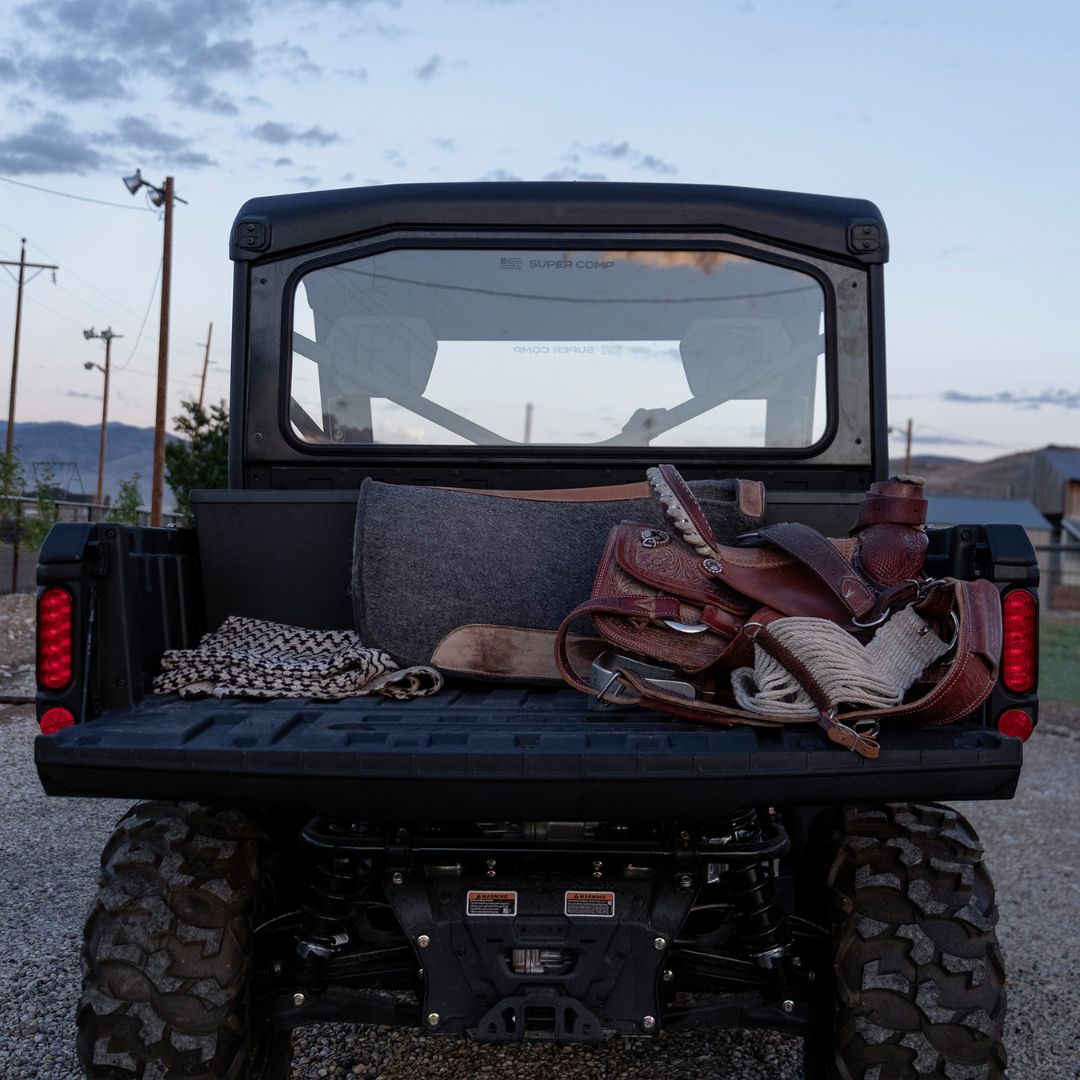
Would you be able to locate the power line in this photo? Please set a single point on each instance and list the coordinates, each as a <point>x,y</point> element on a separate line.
<point>80,198</point>
<point>146,315</point>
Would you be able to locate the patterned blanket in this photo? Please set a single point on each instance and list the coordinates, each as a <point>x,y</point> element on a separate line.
<point>253,658</point>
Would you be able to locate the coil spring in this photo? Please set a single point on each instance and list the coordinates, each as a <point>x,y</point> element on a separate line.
<point>336,886</point>
<point>760,918</point>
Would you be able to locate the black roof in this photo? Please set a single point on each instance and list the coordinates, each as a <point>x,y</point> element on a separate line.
<point>852,228</point>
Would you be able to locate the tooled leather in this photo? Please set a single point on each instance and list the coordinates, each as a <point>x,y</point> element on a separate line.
<point>763,574</point>
<point>689,652</point>
<point>673,567</point>
<point>892,553</point>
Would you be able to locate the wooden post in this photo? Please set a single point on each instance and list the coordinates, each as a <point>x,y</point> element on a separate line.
<point>157,487</point>
<point>205,365</point>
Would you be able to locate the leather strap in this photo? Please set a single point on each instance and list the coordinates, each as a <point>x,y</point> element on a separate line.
<point>863,745</point>
<point>689,502</point>
<point>819,556</point>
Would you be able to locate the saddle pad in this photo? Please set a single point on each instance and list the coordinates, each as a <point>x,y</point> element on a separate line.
<point>429,560</point>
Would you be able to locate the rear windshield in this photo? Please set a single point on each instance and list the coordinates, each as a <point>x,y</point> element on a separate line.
<point>587,347</point>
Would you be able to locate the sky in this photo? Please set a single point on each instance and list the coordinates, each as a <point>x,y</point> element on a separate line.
<point>959,119</point>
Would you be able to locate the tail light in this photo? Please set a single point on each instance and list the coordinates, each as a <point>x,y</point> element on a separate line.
<point>1017,723</point>
<point>55,636</point>
<point>1019,662</point>
<point>56,719</point>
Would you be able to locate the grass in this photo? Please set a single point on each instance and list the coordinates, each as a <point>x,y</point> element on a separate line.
<point>1059,658</point>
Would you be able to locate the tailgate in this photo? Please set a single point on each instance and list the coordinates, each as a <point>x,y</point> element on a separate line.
<point>502,753</point>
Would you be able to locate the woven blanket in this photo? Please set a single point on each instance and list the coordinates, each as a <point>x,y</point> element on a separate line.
<point>253,658</point>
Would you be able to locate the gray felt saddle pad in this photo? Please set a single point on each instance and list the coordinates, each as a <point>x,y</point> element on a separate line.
<point>429,560</point>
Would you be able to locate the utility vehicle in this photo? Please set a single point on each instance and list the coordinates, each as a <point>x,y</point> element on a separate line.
<point>505,862</point>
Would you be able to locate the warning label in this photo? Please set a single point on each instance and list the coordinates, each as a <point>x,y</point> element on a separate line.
<point>482,902</point>
<point>599,905</point>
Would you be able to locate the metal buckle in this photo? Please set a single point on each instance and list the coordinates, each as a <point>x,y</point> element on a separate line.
<point>608,666</point>
<point>652,538</point>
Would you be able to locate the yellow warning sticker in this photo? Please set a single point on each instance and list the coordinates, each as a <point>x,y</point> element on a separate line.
<point>597,905</point>
<point>486,902</point>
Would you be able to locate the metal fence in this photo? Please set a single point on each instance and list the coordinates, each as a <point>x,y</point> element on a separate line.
<point>1059,572</point>
<point>18,564</point>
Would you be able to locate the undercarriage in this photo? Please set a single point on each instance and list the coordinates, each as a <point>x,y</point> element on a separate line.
<point>556,931</point>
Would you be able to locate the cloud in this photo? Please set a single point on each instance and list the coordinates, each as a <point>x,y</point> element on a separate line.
<point>431,67</point>
<point>200,95</point>
<point>305,181</point>
<point>622,152</point>
<point>49,145</point>
<point>77,78</point>
<point>283,161</point>
<point>656,165</point>
<point>358,74</point>
<point>1067,399</point>
<point>443,143</point>
<point>941,439</point>
<point>278,134</point>
<point>571,172</point>
<point>8,71</point>
<point>396,158</point>
<point>293,61</point>
<point>499,174</point>
<point>107,46</point>
<point>145,134</point>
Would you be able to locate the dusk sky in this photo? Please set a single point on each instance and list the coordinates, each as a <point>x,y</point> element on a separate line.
<point>959,119</point>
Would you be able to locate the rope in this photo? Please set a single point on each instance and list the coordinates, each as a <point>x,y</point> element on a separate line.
<point>875,675</point>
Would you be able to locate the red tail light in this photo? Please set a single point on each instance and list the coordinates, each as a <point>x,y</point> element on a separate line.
<point>55,666</point>
<point>54,720</point>
<point>1017,723</point>
<point>1019,663</point>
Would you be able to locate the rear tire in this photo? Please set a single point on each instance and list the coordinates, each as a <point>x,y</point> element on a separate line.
<point>918,977</point>
<point>167,954</point>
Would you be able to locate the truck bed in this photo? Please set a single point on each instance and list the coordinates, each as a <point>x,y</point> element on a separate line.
<point>501,753</point>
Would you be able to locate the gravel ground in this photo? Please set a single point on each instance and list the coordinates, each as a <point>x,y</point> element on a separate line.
<point>48,864</point>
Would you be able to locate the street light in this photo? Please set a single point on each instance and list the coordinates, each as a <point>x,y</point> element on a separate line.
<point>107,336</point>
<point>163,197</point>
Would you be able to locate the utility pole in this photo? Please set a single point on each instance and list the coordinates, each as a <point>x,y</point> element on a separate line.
<point>163,197</point>
<point>907,451</point>
<point>157,488</point>
<point>205,365</point>
<point>107,336</point>
<point>23,265</point>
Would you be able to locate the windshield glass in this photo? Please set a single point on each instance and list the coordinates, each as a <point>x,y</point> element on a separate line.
<point>450,347</point>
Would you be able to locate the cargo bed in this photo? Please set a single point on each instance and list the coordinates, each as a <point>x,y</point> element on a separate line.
<point>471,754</point>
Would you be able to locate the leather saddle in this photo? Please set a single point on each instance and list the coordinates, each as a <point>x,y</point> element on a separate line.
<point>681,599</point>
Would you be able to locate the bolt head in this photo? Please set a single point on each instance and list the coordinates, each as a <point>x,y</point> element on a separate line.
<point>396,878</point>
<point>659,944</point>
<point>648,1023</point>
<point>788,1005</point>
<point>667,975</point>
<point>433,1019</point>
<point>685,881</point>
<point>298,998</point>
<point>423,941</point>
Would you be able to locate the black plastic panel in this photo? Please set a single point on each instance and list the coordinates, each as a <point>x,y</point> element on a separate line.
<point>282,556</point>
<point>501,753</point>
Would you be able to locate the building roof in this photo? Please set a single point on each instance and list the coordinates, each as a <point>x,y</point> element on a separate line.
<point>970,510</point>
<point>1064,460</point>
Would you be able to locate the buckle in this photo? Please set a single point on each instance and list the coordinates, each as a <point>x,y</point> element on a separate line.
<point>611,692</point>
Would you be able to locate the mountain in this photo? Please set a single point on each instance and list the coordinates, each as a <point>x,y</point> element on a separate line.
<point>71,451</point>
<point>1006,477</point>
